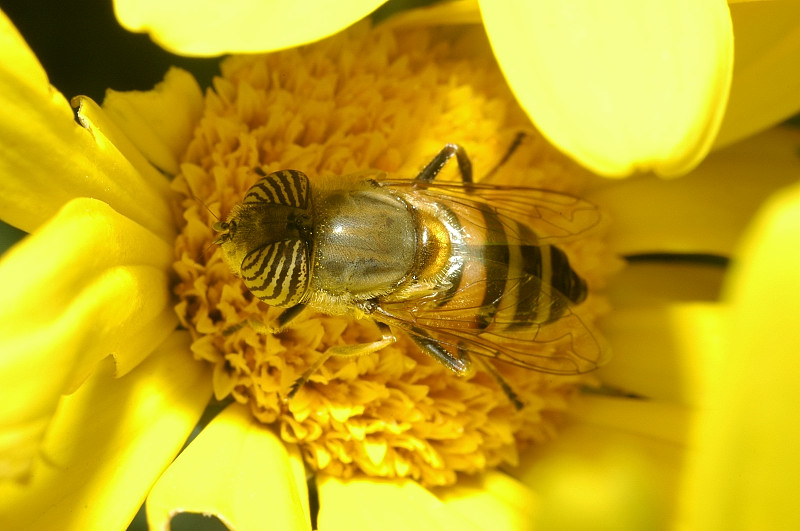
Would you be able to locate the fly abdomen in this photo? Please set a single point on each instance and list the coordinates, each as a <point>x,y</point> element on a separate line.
<point>548,284</point>
<point>564,279</point>
<point>539,286</point>
<point>509,278</point>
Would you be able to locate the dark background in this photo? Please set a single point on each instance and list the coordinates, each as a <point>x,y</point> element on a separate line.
<point>85,51</point>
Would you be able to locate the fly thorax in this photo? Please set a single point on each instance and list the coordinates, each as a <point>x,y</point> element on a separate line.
<point>365,243</point>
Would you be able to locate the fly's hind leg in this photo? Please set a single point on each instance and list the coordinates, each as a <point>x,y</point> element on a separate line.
<point>348,351</point>
<point>460,363</point>
<point>509,392</point>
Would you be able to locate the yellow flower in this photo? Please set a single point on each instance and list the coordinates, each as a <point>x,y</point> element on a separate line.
<point>620,86</point>
<point>93,279</point>
<point>89,458</point>
<point>374,99</point>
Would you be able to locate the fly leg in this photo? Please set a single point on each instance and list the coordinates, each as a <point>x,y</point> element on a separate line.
<point>274,326</point>
<point>510,151</point>
<point>348,351</point>
<point>429,172</point>
<point>460,363</point>
<point>512,396</point>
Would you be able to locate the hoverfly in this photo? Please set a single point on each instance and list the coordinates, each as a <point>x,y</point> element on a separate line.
<point>462,268</point>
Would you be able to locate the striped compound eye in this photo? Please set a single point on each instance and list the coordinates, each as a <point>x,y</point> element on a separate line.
<point>278,272</point>
<point>283,187</point>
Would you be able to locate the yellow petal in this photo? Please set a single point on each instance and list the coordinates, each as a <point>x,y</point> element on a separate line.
<point>383,504</point>
<point>618,85</point>
<point>491,501</point>
<point>238,471</point>
<point>659,352</point>
<point>161,121</point>
<point>107,132</point>
<point>108,443</point>
<point>744,475</point>
<point>90,283</point>
<point>707,212</point>
<point>766,80</point>
<point>207,27</point>
<point>667,320</point>
<point>597,476</point>
<point>629,416</point>
<point>48,159</point>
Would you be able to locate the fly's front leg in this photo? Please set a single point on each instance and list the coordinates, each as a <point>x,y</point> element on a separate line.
<point>349,351</point>
<point>276,325</point>
<point>429,172</point>
<point>510,151</point>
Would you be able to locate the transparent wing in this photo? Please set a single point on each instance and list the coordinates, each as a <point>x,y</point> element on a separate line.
<point>554,216</point>
<point>563,346</point>
<point>528,322</point>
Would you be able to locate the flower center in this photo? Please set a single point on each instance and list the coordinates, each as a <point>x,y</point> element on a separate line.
<point>365,99</point>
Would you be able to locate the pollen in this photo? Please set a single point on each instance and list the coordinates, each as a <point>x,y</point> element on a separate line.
<point>371,98</point>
